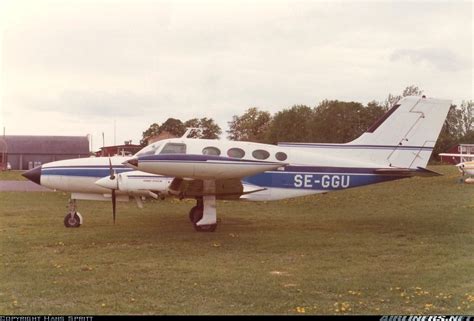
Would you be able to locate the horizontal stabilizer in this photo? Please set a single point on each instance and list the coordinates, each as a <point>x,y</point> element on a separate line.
<point>419,171</point>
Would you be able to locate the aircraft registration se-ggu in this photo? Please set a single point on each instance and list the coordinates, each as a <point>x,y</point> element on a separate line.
<point>396,146</point>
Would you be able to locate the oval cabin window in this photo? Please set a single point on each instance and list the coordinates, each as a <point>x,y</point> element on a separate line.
<point>211,151</point>
<point>260,154</point>
<point>236,152</point>
<point>281,156</point>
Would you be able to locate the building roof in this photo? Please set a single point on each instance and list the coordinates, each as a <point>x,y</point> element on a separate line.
<point>131,146</point>
<point>60,145</point>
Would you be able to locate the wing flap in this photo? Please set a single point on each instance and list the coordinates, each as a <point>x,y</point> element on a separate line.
<point>228,189</point>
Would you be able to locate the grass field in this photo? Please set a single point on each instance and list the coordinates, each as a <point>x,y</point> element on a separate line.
<point>404,247</point>
<point>12,176</point>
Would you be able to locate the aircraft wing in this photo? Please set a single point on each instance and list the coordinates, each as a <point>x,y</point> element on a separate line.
<point>457,155</point>
<point>226,189</point>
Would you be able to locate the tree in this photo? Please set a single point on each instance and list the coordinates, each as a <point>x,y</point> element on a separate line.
<point>368,115</point>
<point>449,135</point>
<point>467,119</point>
<point>173,126</point>
<point>291,125</point>
<point>457,128</point>
<point>209,129</point>
<point>339,122</point>
<point>251,126</point>
<point>391,100</point>
<point>153,130</point>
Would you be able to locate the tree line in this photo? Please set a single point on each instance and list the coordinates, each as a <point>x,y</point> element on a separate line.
<point>331,121</point>
<point>208,129</point>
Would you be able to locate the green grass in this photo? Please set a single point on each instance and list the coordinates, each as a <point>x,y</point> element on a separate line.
<point>11,176</point>
<point>404,247</point>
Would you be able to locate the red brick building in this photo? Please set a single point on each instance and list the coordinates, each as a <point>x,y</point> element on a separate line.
<point>122,150</point>
<point>457,149</point>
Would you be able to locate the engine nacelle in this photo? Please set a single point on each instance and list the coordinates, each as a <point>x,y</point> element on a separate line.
<point>136,183</point>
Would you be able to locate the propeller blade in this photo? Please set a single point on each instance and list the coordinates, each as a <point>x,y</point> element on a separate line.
<point>111,170</point>
<point>114,199</point>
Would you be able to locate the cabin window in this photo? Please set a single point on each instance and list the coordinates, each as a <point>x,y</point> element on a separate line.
<point>281,156</point>
<point>211,151</point>
<point>260,154</point>
<point>174,148</point>
<point>236,152</point>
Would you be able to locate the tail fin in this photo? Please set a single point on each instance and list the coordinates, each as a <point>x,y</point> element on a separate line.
<point>411,128</point>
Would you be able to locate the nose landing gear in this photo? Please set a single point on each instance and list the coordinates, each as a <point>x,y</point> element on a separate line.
<point>73,218</point>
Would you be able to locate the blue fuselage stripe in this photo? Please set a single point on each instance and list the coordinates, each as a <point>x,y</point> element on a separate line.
<point>317,181</point>
<point>97,172</point>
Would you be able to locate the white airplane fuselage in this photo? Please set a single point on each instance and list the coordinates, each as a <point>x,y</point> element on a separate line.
<point>300,171</point>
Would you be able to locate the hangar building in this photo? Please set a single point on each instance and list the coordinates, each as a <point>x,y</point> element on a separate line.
<point>26,152</point>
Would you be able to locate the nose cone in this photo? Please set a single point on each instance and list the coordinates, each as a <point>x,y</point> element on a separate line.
<point>33,175</point>
<point>107,182</point>
<point>131,163</point>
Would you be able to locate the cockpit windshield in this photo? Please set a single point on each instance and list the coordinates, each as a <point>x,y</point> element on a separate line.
<point>174,148</point>
<point>148,150</point>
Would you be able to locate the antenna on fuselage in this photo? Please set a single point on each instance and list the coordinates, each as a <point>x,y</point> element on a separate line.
<point>189,130</point>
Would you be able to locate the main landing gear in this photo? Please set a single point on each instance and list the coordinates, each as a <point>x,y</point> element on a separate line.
<point>203,215</point>
<point>73,218</point>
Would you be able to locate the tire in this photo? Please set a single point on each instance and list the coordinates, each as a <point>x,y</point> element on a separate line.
<point>72,220</point>
<point>191,214</point>
<point>195,215</point>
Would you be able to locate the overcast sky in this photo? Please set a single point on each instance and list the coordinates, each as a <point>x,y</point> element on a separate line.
<point>75,67</point>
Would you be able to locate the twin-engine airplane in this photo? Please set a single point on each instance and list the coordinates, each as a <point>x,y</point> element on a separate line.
<point>466,165</point>
<point>396,146</point>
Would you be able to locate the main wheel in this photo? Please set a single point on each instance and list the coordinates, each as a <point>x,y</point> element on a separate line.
<point>72,220</point>
<point>195,214</point>
<point>191,214</point>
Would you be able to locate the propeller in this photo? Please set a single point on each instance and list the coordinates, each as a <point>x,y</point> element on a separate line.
<point>114,198</point>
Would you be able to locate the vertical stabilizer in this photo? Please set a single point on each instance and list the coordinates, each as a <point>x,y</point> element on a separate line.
<point>407,132</point>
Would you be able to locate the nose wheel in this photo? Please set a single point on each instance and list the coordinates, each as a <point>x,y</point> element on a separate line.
<point>73,218</point>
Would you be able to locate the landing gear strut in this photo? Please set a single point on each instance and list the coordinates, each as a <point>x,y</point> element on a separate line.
<point>203,215</point>
<point>73,218</point>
